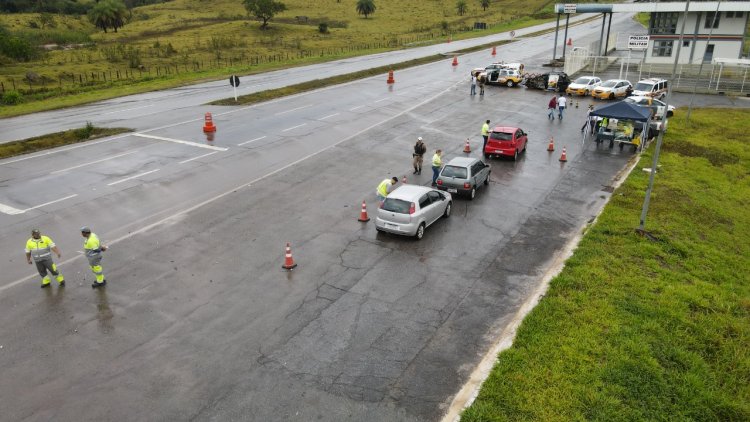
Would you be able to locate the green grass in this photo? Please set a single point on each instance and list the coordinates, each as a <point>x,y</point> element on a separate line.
<point>635,329</point>
<point>642,18</point>
<point>54,140</point>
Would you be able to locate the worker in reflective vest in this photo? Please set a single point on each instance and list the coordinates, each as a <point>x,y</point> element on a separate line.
<point>384,188</point>
<point>93,250</point>
<point>40,248</point>
<point>437,164</point>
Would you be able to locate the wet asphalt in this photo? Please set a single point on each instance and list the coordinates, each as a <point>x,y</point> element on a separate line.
<point>199,321</point>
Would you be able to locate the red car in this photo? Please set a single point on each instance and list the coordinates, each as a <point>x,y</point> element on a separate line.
<point>508,141</point>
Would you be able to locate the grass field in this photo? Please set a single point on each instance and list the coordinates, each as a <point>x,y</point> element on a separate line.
<point>58,139</point>
<point>194,40</point>
<point>635,329</point>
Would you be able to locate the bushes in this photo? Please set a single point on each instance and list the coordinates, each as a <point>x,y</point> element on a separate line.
<point>84,132</point>
<point>12,98</point>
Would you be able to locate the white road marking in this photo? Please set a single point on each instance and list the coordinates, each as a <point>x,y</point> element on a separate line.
<point>85,144</point>
<point>93,162</point>
<point>192,208</point>
<point>180,141</point>
<point>252,140</point>
<point>330,115</point>
<point>127,109</point>
<point>131,177</point>
<point>291,110</point>
<point>356,108</point>
<point>200,156</point>
<point>293,127</point>
<point>382,99</point>
<point>6,209</point>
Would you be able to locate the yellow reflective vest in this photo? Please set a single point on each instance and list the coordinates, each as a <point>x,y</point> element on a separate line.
<point>437,161</point>
<point>383,187</point>
<point>40,249</point>
<point>485,129</point>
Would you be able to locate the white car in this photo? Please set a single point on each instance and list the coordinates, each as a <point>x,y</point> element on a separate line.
<point>409,209</point>
<point>583,85</point>
<point>613,88</point>
<point>656,105</point>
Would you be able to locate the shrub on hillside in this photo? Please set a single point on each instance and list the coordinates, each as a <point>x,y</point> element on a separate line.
<point>12,97</point>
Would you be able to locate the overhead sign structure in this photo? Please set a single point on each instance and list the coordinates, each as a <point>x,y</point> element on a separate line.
<point>638,42</point>
<point>569,8</point>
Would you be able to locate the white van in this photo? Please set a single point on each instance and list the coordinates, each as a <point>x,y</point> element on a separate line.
<point>653,87</point>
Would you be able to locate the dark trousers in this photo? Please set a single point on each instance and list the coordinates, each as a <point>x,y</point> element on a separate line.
<point>435,174</point>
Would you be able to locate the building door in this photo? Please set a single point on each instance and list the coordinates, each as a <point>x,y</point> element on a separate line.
<point>709,54</point>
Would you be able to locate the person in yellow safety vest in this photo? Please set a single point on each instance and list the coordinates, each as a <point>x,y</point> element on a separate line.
<point>40,248</point>
<point>485,134</point>
<point>437,164</point>
<point>384,188</point>
<point>93,250</point>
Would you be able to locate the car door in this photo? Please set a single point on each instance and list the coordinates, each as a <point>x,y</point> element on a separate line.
<point>483,171</point>
<point>492,77</point>
<point>476,177</point>
<point>520,140</point>
<point>425,211</point>
<point>437,204</point>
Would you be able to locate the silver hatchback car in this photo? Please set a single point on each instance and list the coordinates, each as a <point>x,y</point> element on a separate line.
<point>464,175</point>
<point>409,209</point>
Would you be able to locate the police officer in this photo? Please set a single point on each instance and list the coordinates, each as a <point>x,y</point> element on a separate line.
<point>40,248</point>
<point>93,250</point>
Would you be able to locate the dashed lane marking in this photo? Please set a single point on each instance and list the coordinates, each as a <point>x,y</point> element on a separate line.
<point>330,115</point>
<point>94,162</point>
<point>200,156</point>
<point>250,141</point>
<point>356,108</point>
<point>293,127</point>
<point>291,110</point>
<point>131,177</point>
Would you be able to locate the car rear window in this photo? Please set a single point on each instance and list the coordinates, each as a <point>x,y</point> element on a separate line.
<point>501,136</point>
<point>453,171</point>
<point>396,205</point>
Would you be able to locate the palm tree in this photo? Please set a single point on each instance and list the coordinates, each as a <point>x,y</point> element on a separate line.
<point>461,7</point>
<point>365,7</point>
<point>108,14</point>
<point>485,4</point>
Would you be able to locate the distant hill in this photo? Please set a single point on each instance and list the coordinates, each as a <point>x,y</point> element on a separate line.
<point>67,7</point>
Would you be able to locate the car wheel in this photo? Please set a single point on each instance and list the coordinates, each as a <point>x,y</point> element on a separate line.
<point>447,212</point>
<point>420,232</point>
<point>473,193</point>
<point>509,84</point>
<point>670,113</point>
<point>487,179</point>
<point>515,155</point>
<point>486,155</point>
<point>379,229</point>
<point>612,96</point>
<point>524,147</point>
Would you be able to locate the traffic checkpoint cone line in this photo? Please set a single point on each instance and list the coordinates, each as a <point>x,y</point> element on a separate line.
<point>570,42</point>
<point>288,260</point>
<point>551,146</point>
<point>363,217</point>
<point>564,156</point>
<point>455,61</point>
<point>208,124</point>
<point>467,147</point>
<point>390,77</point>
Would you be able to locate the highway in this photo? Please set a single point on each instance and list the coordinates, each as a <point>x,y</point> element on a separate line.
<point>199,321</point>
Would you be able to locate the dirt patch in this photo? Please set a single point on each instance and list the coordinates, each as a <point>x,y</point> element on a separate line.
<point>714,156</point>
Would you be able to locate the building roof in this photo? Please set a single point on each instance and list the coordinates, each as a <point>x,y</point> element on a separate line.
<point>672,6</point>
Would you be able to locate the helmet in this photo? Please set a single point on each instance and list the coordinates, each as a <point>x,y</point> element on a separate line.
<point>419,139</point>
<point>35,231</point>
<point>85,229</point>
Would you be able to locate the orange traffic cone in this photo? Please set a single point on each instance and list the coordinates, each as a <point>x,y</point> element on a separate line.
<point>455,61</point>
<point>208,126</point>
<point>390,77</point>
<point>363,215</point>
<point>551,146</point>
<point>493,51</point>
<point>564,156</point>
<point>288,260</point>
<point>570,42</point>
<point>467,147</point>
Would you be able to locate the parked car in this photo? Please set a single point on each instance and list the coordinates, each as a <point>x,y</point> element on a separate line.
<point>655,105</point>
<point>613,88</point>
<point>653,87</point>
<point>464,175</point>
<point>552,81</point>
<point>496,66</point>
<point>409,209</point>
<point>505,140</point>
<point>507,77</point>
<point>583,85</point>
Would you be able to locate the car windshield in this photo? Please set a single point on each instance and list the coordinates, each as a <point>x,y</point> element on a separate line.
<point>501,136</point>
<point>583,81</point>
<point>642,86</point>
<point>396,205</point>
<point>454,171</point>
<point>608,84</point>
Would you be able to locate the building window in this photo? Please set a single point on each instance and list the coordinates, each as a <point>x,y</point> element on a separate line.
<point>738,14</point>
<point>664,23</point>
<point>662,48</point>
<point>686,43</point>
<point>730,14</point>
<point>710,19</point>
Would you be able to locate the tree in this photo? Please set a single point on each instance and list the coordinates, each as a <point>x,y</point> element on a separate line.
<point>264,10</point>
<point>108,14</point>
<point>365,7</point>
<point>485,4</point>
<point>47,20</point>
<point>461,7</point>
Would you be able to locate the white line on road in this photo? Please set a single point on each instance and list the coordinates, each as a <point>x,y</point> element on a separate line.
<point>192,208</point>
<point>6,209</point>
<point>252,140</point>
<point>51,202</point>
<point>93,162</point>
<point>294,109</point>
<point>382,99</point>
<point>127,109</point>
<point>356,108</point>
<point>85,144</point>
<point>200,156</point>
<point>132,177</point>
<point>330,115</point>
<point>293,127</point>
<point>180,141</point>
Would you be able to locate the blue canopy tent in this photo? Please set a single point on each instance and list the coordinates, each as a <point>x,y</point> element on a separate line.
<point>621,110</point>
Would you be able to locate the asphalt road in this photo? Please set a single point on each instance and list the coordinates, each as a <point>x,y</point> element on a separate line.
<point>198,320</point>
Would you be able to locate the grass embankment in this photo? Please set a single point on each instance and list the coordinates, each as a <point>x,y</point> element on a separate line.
<point>258,97</point>
<point>54,140</point>
<point>634,329</point>
<point>643,18</point>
